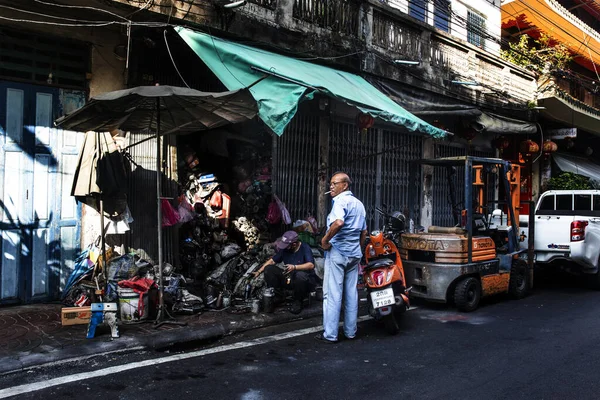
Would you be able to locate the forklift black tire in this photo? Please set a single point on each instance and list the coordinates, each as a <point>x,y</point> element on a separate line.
<point>391,324</point>
<point>518,284</point>
<point>467,294</point>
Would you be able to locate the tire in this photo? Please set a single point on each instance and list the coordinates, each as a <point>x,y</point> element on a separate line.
<point>391,324</point>
<point>518,285</point>
<point>593,280</point>
<point>467,294</point>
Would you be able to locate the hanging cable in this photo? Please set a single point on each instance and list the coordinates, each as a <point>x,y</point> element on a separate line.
<point>172,60</point>
<point>82,7</point>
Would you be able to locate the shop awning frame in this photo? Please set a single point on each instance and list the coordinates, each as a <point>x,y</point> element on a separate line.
<point>290,81</point>
<point>578,165</point>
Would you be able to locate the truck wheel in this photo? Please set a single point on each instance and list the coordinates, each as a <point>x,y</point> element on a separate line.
<point>467,294</point>
<point>391,324</point>
<point>593,280</point>
<point>518,284</point>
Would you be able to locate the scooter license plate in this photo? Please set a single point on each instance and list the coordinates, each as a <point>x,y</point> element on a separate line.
<point>382,298</point>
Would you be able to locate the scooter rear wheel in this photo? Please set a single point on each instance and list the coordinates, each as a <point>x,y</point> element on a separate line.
<point>391,324</point>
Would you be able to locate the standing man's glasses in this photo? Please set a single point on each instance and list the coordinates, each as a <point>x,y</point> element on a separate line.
<point>335,183</point>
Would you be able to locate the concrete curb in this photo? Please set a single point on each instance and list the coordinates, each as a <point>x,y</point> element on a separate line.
<point>153,341</point>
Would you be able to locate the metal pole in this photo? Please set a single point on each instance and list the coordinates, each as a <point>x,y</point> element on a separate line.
<point>159,215</point>
<point>103,244</point>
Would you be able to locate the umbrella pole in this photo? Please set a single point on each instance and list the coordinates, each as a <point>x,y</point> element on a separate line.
<point>160,317</point>
<point>161,301</point>
<point>101,201</point>
<point>103,244</point>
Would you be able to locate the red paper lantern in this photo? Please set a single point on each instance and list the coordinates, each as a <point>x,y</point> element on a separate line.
<point>549,147</point>
<point>364,122</point>
<point>529,148</point>
<point>468,134</point>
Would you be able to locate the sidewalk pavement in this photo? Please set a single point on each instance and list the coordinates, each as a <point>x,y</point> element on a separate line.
<point>32,335</point>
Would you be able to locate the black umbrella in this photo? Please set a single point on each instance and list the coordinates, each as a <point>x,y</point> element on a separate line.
<point>163,110</point>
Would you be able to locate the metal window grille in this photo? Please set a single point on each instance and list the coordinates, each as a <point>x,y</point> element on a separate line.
<point>43,59</point>
<point>475,29</point>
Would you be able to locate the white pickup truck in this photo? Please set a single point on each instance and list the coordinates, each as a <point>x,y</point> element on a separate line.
<point>567,231</point>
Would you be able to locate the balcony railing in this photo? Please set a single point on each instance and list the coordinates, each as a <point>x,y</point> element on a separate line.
<point>390,35</point>
<point>578,95</point>
<point>270,4</point>
<point>586,29</point>
<point>336,15</point>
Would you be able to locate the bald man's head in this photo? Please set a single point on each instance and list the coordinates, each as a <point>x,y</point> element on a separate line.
<point>340,182</point>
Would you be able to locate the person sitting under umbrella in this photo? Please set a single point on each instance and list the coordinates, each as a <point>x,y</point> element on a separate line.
<point>298,275</point>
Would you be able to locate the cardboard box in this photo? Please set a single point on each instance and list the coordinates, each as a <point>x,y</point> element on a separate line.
<point>75,315</point>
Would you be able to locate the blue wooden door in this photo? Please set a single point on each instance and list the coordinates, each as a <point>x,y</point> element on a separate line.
<point>38,219</point>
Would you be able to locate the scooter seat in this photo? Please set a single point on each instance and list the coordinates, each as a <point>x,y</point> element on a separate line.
<point>381,263</point>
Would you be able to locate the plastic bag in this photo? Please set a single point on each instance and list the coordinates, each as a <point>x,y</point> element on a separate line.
<point>169,215</point>
<point>184,210</point>
<point>285,214</point>
<point>273,213</point>
<point>216,200</point>
<point>313,222</point>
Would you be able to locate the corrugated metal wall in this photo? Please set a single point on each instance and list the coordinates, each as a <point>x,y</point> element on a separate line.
<point>400,148</point>
<point>378,164</point>
<point>442,209</point>
<point>352,152</point>
<point>142,198</point>
<point>296,165</point>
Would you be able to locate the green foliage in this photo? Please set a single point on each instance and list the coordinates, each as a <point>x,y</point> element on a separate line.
<point>569,181</point>
<point>541,56</point>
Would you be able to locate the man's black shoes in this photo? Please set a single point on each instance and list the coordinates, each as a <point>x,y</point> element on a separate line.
<point>320,338</point>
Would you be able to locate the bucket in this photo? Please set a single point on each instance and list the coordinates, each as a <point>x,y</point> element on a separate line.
<point>269,300</point>
<point>129,305</point>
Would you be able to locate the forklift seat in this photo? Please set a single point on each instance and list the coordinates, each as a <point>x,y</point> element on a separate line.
<point>445,229</point>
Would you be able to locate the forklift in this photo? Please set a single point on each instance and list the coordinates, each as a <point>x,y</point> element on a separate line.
<point>480,255</point>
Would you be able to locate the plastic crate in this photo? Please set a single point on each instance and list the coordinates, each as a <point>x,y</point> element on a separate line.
<point>308,238</point>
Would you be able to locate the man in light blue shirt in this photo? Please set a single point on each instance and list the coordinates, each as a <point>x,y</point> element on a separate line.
<point>344,239</point>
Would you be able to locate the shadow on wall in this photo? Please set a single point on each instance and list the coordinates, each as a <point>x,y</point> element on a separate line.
<point>143,236</point>
<point>27,273</point>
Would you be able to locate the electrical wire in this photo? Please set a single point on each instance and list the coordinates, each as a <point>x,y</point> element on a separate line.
<point>141,8</point>
<point>172,60</point>
<point>59,23</point>
<point>82,7</point>
<point>52,16</point>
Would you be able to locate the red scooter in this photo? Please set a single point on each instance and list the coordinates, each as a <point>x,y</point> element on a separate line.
<point>383,275</point>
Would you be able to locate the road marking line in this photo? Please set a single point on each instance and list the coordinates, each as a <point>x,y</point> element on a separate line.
<point>32,387</point>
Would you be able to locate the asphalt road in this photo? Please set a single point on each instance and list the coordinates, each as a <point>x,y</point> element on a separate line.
<point>546,346</point>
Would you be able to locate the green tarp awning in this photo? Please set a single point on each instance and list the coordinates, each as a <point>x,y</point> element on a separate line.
<point>278,98</point>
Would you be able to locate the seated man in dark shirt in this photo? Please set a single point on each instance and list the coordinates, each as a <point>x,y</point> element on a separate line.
<point>298,275</point>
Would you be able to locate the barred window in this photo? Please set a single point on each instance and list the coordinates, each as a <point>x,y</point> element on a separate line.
<point>475,29</point>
